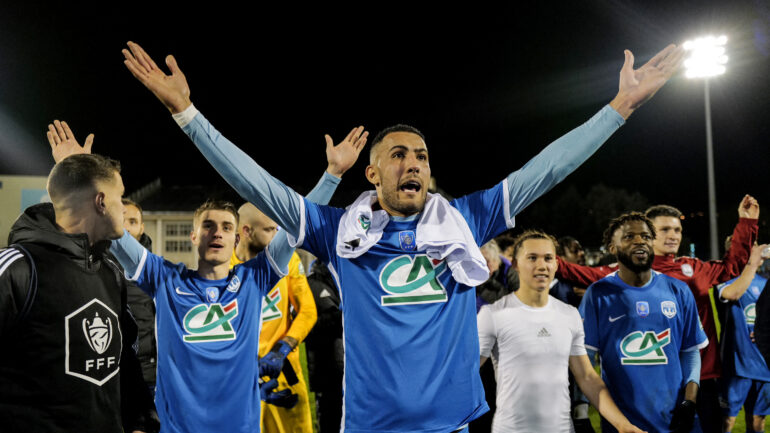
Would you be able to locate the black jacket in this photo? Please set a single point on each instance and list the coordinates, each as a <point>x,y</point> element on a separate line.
<point>143,309</point>
<point>67,364</point>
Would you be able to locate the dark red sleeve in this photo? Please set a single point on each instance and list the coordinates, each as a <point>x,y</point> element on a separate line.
<point>580,275</point>
<point>744,236</point>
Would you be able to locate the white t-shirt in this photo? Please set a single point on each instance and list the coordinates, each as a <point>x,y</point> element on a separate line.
<point>534,346</point>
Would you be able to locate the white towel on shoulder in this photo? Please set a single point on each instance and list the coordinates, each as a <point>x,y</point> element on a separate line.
<point>442,233</point>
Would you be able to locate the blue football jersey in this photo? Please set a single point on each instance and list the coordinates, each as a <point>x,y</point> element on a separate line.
<point>741,355</point>
<point>639,332</point>
<point>208,341</point>
<point>410,335</point>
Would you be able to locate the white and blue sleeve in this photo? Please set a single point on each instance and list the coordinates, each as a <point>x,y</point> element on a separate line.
<point>252,182</point>
<point>559,159</point>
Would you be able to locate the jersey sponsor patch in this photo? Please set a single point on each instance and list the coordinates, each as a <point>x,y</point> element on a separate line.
<point>645,348</point>
<point>413,280</point>
<point>750,312</point>
<point>406,240</point>
<point>270,310</point>
<point>204,323</point>
<point>642,308</point>
<point>364,221</point>
<point>93,343</point>
<point>687,269</point>
<point>668,308</point>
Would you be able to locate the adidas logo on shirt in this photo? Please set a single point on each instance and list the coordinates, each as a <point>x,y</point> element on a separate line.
<point>543,333</point>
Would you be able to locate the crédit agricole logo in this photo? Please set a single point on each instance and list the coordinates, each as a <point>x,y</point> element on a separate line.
<point>413,280</point>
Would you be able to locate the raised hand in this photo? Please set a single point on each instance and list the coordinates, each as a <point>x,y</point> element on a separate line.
<point>342,156</point>
<point>63,143</point>
<point>172,90</point>
<point>749,207</point>
<point>638,85</point>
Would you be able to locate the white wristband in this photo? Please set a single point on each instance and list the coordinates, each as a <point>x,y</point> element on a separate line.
<point>185,117</point>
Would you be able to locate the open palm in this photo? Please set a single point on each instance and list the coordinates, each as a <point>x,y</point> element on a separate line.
<point>172,90</point>
<point>342,156</point>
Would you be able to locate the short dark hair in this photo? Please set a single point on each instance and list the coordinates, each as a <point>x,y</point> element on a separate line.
<point>129,202</point>
<point>618,222</point>
<point>80,171</point>
<point>531,234</point>
<point>390,129</point>
<point>216,205</point>
<point>564,243</point>
<point>662,210</point>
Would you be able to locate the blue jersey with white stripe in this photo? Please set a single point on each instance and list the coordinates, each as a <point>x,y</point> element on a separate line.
<point>208,335</point>
<point>639,332</point>
<point>411,342</point>
<point>741,355</point>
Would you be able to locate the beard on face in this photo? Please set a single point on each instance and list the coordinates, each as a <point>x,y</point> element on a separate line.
<point>628,261</point>
<point>391,200</point>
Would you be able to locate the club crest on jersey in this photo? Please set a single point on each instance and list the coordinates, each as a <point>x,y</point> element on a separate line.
<point>642,308</point>
<point>645,348</point>
<point>205,323</point>
<point>235,284</point>
<point>407,240</point>
<point>212,294</point>
<point>668,308</point>
<point>364,221</point>
<point>413,280</point>
<point>93,343</point>
<point>750,312</point>
<point>687,269</point>
<point>270,310</point>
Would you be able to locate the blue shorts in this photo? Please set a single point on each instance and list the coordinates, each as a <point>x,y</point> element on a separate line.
<point>753,394</point>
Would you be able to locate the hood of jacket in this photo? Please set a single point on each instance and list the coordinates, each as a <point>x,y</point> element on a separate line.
<point>37,225</point>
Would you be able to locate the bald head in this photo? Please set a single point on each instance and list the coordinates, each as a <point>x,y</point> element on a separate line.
<point>255,228</point>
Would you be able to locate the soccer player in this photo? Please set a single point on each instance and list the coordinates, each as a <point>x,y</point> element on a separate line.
<point>645,327</point>
<point>746,378</point>
<point>288,315</point>
<point>208,319</point>
<point>538,338</point>
<point>67,362</point>
<point>699,275</point>
<point>405,262</point>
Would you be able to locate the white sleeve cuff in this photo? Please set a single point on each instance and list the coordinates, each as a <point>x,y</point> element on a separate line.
<point>185,117</point>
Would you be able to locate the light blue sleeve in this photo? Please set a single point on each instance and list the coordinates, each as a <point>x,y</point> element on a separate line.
<point>130,254</point>
<point>279,250</point>
<point>559,159</point>
<point>279,202</point>
<point>690,362</point>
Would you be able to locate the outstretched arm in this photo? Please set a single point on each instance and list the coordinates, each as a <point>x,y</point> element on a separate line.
<point>744,236</point>
<point>594,388</point>
<point>276,200</point>
<point>567,153</point>
<point>737,288</point>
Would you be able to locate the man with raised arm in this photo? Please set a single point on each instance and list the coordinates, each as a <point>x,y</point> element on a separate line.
<point>405,261</point>
<point>700,276</point>
<point>208,319</point>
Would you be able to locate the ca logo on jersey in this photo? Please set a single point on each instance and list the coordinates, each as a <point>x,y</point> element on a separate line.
<point>645,348</point>
<point>205,323</point>
<point>413,280</point>
<point>270,310</point>
<point>750,312</point>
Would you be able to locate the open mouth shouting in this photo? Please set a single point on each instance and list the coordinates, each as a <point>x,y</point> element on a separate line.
<point>410,186</point>
<point>216,246</point>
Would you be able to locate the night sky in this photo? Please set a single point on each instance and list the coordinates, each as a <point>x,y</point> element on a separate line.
<point>488,86</point>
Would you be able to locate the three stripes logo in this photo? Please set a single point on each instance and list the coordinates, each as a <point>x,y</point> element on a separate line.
<point>7,257</point>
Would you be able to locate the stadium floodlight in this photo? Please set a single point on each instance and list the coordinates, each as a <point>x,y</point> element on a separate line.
<point>708,59</point>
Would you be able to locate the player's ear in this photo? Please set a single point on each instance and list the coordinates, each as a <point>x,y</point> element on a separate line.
<point>237,239</point>
<point>99,206</point>
<point>372,175</point>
